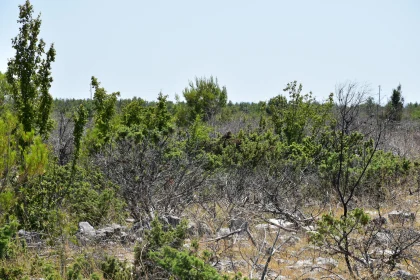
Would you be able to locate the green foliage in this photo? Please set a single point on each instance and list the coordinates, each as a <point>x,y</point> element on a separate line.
<point>396,104</point>
<point>157,237</point>
<point>140,122</point>
<point>135,113</point>
<point>205,98</point>
<point>25,156</point>
<point>82,268</point>
<point>335,231</point>
<point>163,249</point>
<point>182,265</point>
<point>7,232</point>
<point>114,269</point>
<point>413,111</point>
<point>29,74</point>
<point>351,152</point>
<point>63,195</point>
<point>5,90</point>
<point>342,236</point>
<point>35,156</point>
<point>384,173</point>
<point>48,270</point>
<point>300,116</point>
<point>354,167</point>
<point>7,200</point>
<point>80,119</point>
<point>198,136</point>
<point>8,144</point>
<point>159,153</point>
<point>11,273</point>
<point>104,106</point>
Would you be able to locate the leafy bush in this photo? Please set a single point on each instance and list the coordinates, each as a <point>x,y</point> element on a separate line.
<point>62,194</point>
<point>7,232</point>
<point>162,255</point>
<point>82,268</point>
<point>11,273</point>
<point>205,98</point>
<point>114,269</point>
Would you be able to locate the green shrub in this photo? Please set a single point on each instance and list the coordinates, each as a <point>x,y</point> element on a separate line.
<point>114,269</point>
<point>11,273</point>
<point>162,255</point>
<point>62,195</point>
<point>82,268</point>
<point>7,232</point>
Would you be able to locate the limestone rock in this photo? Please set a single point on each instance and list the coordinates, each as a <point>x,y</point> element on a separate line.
<point>223,232</point>
<point>281,223</point>
<point>192,229</point>
<point>382,238</point>
<point>86,229</point>
<point>401,217</point>
<point>329,263</point>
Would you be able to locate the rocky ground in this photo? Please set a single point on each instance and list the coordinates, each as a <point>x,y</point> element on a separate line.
<point>243,245</point>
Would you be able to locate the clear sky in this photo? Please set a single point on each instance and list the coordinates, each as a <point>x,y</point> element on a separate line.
<point>254,48</point>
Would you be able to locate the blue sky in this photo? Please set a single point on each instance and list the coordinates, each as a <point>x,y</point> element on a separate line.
<point>254,48</point>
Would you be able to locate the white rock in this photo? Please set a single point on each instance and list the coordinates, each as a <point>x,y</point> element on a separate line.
<point>86,229</point>
<point>328,262</point>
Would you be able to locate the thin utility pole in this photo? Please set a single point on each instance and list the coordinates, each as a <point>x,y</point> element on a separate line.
<point>379,103</point>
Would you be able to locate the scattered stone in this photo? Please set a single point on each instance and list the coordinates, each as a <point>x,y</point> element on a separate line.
<point>282,223</point>
<point>187,243</point>
<point>402,274</point>
<point>192,229</point>
<point>309,228</point>
<point>30,237</point>
<point>86,229</point>
<point>330,263</point>
<point>124,237</point>
<point>223,265</point>
<point>104,233</point>
<point>382,238</point>
<point>198,229</point>
<point>401,217</point>
<point>301,264</point>
<point>130,220</point>
<point>223,232</point>
<point>275,275</point>
<point>238,223</point>
<point>290,240</point>
<point>262,227</point>
<point>204,229</point>
<point>111,233</point>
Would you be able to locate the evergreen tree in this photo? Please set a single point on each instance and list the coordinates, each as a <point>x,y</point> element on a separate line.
<point>29,74</point>
<point>205,98</point>
<point>396,104</point>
